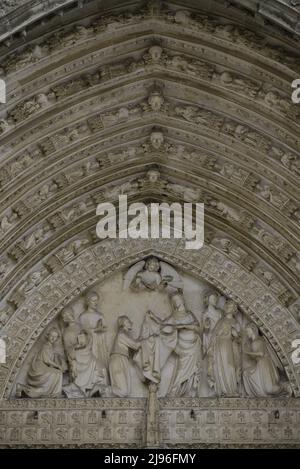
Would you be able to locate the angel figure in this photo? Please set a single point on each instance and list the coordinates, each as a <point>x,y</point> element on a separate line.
<point>261,378</point>
<point>152,275</point>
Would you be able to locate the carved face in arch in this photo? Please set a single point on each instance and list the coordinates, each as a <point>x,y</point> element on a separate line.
<point>157,139</point>
<point>155,53</point>
<point>152,264</point>
<point>156,101</point>
<point>153,176</point>
<point>182,16</point>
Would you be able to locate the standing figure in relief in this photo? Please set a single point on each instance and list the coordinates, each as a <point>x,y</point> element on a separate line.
<point>119,358</point>
<point>179,334</point>
<point>92,323</point>
<point>149,355</point>
<point>44,377</point>
<point>224,355</point>
<point>184,381</point>
<point>85,370</point>
<point>211,317</point>
<point>261,378</point>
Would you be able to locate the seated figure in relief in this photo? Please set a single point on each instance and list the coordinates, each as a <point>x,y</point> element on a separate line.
<point>152,275</point>
<point>44,378</point>
<point>261,377</point>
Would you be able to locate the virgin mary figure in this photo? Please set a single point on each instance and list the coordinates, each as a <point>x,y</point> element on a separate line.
<point>179,335</point>
<point>185,378</point>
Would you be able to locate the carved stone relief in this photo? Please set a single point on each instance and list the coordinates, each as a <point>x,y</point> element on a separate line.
<point>163,328</point>
<point>131,344</point>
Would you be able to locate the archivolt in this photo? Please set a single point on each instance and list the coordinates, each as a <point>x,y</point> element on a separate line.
<point>77,125</point>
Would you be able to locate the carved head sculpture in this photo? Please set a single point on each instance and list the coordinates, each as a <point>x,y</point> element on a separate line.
<point>182,16</point>
<point>81,30</point>
<point>266,191</point>
<point>157,139</point>
<point>153,176</point>
<point>155,53</point>
<point>226,78</point>
<point>123,113</point>
<point>52,335</point>
<point>3,125</point>
<point>92,299</point>
<point>124,323</point>
<point>68,315</point>
<point>152,264</point>
<point>231,308</point>
<point>252,331</point>
<point>156,100</point>
<point>212,299</point>
<point>271,98</point>
<point>42,99</point>
<point>178,304</point>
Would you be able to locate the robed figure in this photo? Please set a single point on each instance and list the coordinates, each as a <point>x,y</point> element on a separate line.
<point>224,355</point>
<point>261,377</point>
<point>178,335</point>
<point>119,370</point>
<point>44,378</point>
<point>92,323</point>
<point>86,372</point>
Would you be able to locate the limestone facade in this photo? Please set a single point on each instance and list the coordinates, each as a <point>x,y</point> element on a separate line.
<point>100,99</point>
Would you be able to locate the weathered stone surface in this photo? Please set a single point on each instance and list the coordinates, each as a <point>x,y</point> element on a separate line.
<point>162,103</point>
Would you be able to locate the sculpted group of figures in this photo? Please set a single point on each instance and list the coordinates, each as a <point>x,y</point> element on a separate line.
<point>229,353</point>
